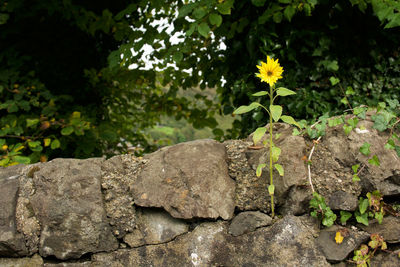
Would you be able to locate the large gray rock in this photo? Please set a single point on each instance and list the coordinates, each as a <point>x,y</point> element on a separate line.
<point>68,204</point>
<point>288,242</point>
<point>155,227</point>
<point>189,180</point>
<point>12,243</point>
<point>389,229</point>
<point>339,251</point>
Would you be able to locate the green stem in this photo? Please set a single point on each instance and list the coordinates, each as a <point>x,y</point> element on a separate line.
<point>271,127</point>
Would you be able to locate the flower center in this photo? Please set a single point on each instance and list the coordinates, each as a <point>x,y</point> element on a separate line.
<point>269,73</point>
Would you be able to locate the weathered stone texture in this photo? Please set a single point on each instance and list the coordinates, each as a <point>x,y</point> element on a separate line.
<point>68,204</point>
<point>12,243</point>
<point>189,180</point>
<point>287,243</point>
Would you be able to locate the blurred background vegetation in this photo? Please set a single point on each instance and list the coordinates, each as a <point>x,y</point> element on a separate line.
<point>75,79</point>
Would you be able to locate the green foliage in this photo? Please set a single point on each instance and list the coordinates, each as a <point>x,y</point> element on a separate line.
<point>363,255</point>
<point>321,211</point>
<point>370,207</point>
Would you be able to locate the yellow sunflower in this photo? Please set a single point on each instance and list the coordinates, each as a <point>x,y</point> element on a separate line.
<point>270,72</point>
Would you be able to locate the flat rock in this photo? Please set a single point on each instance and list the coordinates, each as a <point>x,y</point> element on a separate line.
<point>34,261</point>
<point>338,252</point>
<point>155,227</point>
<point>385,259</point>
<point>389,229</point>
<point>189,180</point>
<point>68,204</point>
<point>341,200</point>
<point>248,221</point>
<point>289,242</point>
<point>12,243</point>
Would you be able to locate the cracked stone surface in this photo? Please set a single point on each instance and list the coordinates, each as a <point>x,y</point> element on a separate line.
<point>189,180</point>
<point>69,207</point>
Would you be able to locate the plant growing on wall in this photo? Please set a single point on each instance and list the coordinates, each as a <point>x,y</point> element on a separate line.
<point>270,72</point>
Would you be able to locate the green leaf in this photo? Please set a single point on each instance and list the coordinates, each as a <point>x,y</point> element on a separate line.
<point>258,134</point>
<point>258,3</point>
<point>204,29</point>
<point>335,121</point>
<point>290,120</point>
<point>199,12</point>
<point>355,168</point>
<point>397,149</point>
<point>364,149</point>
<point>31,122</point>
<point>185,10</point>
<point>390,144</point>
<point>55,144</point>
<point>279,168</point>
<point>350,91</point>
<point>363,205</point>
<point>22,159</point>
<point>244,109</point>
<point>289,12</point>
<point>191,29</point>
<point>277,17</point>
<point>261,93</point>
<point>362,218</point>
<point>344,217</point>
<point>215,19</point>
<point>374,161</point>
<point>353,122</point>
<point>276,152</point>
<point>67,130</point>
<point>379,217</point>
<point>347,129</point>
<point>177,57</point>
<point>276,112</point>
<point>259,169</point>
<point>281,91</point>
<point>356,178</point>
<point>225,7</point>
<point>334,80</point>
<point>271,189</point>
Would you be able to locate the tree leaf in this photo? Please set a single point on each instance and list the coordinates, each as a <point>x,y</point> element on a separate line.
<point>276,112</point>
<point>204,29</point>
<point>22,159</point>
<point>282,91</point>
<point>55,144</point>
<point>215,19</point>
<point>258,134</point>
<point>289,12</point>
<point>31,122</point>
<point>279,168</point>
<point>67,130</point>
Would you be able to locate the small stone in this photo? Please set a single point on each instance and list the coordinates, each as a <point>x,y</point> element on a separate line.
<point>248,221</point>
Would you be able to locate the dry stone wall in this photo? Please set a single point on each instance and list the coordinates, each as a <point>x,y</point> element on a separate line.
<point>194,204</point>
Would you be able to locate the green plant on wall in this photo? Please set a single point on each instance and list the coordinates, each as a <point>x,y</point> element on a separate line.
<point>270,72</point>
